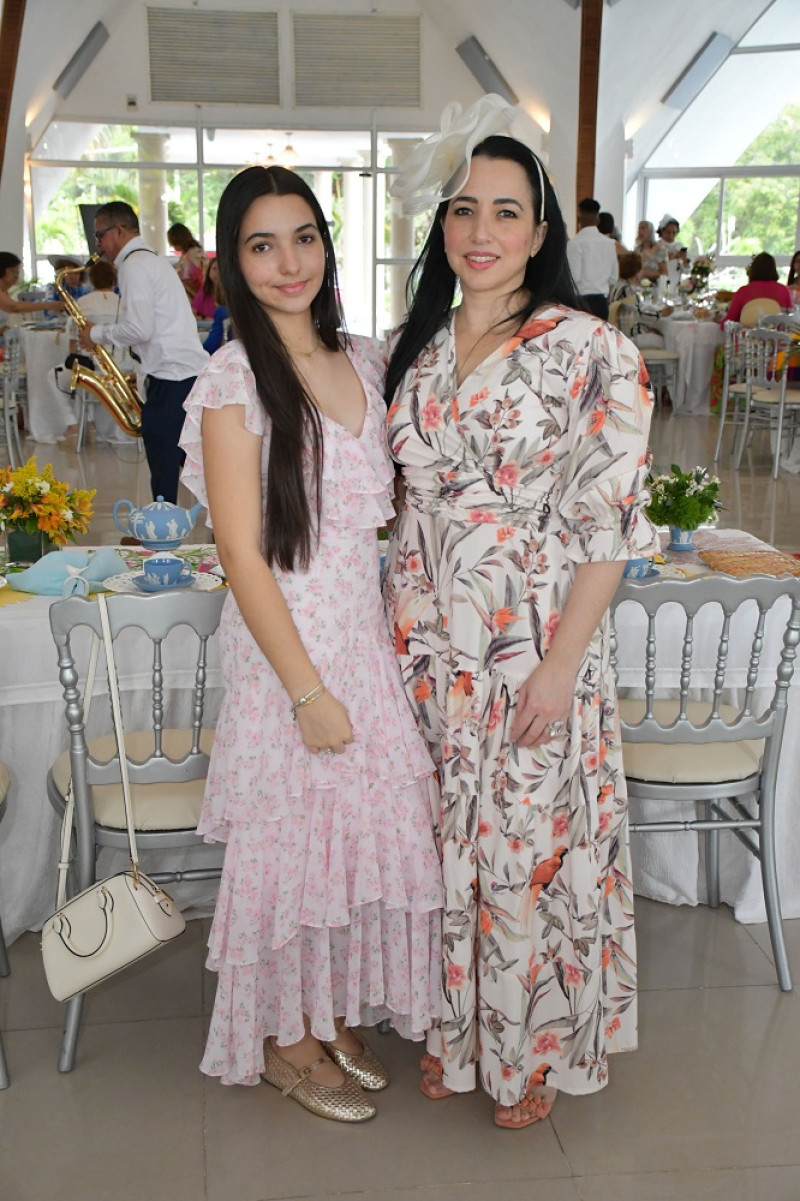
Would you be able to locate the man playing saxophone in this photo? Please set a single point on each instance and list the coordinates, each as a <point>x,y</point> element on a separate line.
<point>157,323</point>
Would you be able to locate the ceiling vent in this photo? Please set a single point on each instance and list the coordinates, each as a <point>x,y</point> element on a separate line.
<point>370,61</point>
<point>213,57</point>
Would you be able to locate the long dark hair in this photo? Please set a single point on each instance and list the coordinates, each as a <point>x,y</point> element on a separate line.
<point>794,272</point>
<point>432,282</point>
<point>294,418</point>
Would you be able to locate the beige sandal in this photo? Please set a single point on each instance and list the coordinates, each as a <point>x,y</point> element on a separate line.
<point>346,1103</point>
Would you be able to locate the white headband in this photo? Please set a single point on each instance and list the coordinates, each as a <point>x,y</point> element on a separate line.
<point>438,168</point>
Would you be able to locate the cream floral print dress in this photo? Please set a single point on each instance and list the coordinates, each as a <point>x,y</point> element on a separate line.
<point>331,891</point>
<point>534,465</point>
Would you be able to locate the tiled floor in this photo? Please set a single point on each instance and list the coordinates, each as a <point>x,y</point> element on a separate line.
<point>706,1110</point>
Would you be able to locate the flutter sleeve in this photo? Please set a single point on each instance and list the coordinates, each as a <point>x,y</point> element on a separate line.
<point>603,497</point>
<point>226,379</point>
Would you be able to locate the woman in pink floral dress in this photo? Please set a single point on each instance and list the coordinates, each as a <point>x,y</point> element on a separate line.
<point>319,783</point>
<point>521,429</point>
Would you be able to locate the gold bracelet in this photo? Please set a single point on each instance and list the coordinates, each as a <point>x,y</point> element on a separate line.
<point>308,699</point>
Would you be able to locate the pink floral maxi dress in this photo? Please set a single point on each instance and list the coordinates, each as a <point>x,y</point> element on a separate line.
<point>331,892</point>
<point>534,465</point>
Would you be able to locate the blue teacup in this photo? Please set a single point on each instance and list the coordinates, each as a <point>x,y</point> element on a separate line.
<point>637,569</point>
<point>161,571</point>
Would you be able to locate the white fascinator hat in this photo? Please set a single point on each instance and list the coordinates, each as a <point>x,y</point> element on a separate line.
<point>438,168</point>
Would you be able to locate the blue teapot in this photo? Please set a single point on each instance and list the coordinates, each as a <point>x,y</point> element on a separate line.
<point>158,526</point>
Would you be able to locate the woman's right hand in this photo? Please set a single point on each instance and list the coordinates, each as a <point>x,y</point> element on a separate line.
<point>325,725</point>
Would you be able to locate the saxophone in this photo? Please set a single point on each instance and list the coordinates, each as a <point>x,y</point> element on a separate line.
<point>113,388</point>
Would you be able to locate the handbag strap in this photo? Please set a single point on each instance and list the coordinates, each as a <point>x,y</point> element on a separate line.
<point>69,807</point>
<point>113,688</point>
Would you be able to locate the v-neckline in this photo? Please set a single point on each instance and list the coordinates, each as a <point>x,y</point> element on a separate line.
<point>365,393</point>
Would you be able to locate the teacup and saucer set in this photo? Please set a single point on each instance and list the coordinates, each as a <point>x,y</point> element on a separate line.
<point>162,572</point>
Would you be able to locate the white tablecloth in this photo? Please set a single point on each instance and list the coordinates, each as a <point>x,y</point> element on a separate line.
<point>695,342</point>
<point>49,410</point>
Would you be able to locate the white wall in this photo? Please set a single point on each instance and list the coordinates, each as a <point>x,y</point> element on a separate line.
<point>534,44</point>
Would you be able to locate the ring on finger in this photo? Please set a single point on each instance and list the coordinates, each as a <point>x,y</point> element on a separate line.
<point>556,729</point>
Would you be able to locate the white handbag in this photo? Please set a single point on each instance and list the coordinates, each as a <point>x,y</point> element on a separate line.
<point>117,920</point>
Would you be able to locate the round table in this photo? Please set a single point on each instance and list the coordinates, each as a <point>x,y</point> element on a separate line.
<point>696,342</point>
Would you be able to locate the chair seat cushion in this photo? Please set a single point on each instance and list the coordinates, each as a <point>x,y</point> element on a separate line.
<point>163,806</point>
<point>663,356</point>
<point>687,762</point>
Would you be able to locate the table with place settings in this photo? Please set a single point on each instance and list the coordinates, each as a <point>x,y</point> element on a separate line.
<point>33,733</point>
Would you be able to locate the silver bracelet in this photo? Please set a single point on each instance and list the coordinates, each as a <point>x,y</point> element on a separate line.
<point>308,699</point>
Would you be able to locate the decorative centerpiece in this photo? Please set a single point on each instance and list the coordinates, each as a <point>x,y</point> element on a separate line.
<point>699,274</point>
<point>39,512</point>
<point>683,500</point>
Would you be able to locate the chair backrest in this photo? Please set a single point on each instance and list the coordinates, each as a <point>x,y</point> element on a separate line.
<point>766,357</point>
<point>10,364</point>
<point>156,617</point>
<point>733,352</point>
<point>784,322</point>
<point>754,310</point>
<point>737,624</point>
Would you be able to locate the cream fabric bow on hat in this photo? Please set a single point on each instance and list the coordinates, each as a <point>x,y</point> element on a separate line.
<point>439,167</point>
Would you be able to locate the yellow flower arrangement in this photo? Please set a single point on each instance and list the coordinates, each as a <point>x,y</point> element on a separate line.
<point>36,502</point>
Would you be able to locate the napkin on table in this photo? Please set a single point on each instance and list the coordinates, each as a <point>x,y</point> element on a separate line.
<point>67,572</point>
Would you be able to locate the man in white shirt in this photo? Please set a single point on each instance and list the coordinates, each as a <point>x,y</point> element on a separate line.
<point>158,324</point>
<point>592,260</point>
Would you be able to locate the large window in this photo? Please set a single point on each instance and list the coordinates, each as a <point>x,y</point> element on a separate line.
<point>179,173</point>
<point>729,169</point>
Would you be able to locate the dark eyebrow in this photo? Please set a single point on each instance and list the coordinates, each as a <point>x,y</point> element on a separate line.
<point>299,230</point>
<point>498,200</point>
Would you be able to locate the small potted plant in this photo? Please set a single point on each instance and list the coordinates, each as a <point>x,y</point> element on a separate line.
<point>39,512</point>
<point>683,500</point>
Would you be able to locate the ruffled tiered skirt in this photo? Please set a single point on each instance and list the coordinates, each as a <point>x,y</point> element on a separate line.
<point>330,900</point>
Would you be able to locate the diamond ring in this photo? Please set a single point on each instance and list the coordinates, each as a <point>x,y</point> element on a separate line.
<point>556,728</point>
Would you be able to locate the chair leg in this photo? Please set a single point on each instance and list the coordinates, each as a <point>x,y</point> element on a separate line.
<point>5,1079</point>
<point>723,412</point>
<point>82,422</point>
<point>69,1038</point>
<point>712,864</point>
<point>5,968</point>
<point>737,458</point>
<point>769,877</point>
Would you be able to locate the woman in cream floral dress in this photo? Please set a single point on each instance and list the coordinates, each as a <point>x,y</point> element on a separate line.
<point>521,429</point>
<point>319,783</point>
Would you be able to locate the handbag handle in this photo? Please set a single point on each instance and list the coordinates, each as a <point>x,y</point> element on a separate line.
<point>105,902</point>
<point>116,711</point>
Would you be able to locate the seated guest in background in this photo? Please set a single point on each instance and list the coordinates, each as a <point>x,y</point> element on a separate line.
<point>206,299</point>
<point>101,306</point>
<point>9,274</point>
<point>192,260</point>
<point>73,282</point>
<point>668,229</point>
<point>607,227</point>
<point>793,280</point>
<point>636,315</point>
<point>592,260</point>
<point>654,253</point>
<point>763,284</point>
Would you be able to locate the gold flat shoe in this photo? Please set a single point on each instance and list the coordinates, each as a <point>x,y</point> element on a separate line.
<point>346,1103</point>
<point>365,1067</point>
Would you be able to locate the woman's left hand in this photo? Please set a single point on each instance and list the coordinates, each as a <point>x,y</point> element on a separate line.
<point>546,696</point>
